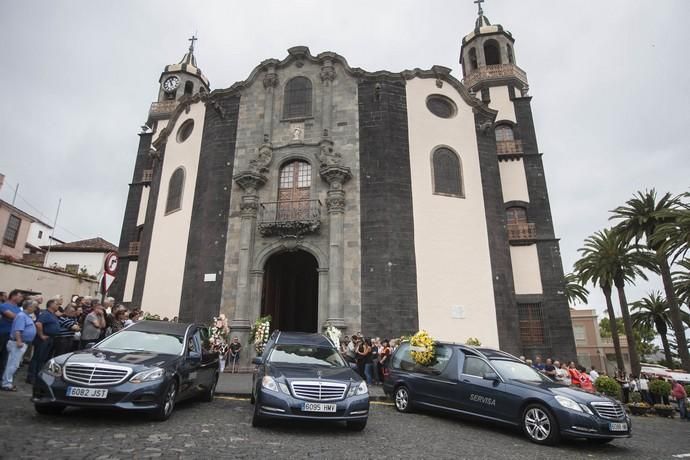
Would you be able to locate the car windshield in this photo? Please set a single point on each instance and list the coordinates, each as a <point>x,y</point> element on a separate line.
<point>513,370</point>
<point>143,341</point>
<point>306,354</point>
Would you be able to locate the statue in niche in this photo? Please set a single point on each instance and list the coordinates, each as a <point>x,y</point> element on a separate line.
<point>297,134</point>
<point>328,156</point>
<point>262,159</point>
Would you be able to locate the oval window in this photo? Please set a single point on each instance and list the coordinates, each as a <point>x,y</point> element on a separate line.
<point>441,106</point>
<point>185,130</point>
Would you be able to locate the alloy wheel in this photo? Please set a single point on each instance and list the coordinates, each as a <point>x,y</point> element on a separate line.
<point>402,399</point>
<point>537,424</point>
<point>169,404</point>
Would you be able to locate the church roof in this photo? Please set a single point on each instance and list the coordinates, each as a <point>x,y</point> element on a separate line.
<point>90,245</point>
<point>187,64</point>
<point>482,26</point>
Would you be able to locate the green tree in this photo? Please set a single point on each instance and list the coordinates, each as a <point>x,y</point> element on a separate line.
<point>611,253</point>
<point>653,311</point>
<point>681,283</point>
<point>574,290</point>
<point>643,216</point>
<point>643,336</point>
<point>591,268</point>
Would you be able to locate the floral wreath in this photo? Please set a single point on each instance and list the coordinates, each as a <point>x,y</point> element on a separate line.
<point>422,348</point>
<point>260,333</point>
<point>333,334</point>
<point>218,335</point>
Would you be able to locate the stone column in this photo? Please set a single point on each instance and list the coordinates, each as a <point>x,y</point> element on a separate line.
<point>241,322</point>
<point>336,176</point>
<point>327,76</point>
<point>270,82</point>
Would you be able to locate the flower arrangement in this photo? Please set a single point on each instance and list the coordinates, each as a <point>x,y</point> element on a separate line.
<point>636,406</point>
<point>423,350</point>
<point>260,333</point>
<point>473,342</point>
<point>218,335</point>
<point>333,334</point>
<point>151,317</point>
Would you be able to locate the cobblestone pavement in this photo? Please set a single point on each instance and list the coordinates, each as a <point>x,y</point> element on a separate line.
<point>222,429</point>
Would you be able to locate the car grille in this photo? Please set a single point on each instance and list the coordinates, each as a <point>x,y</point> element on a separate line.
<point>319,391</point>
<point>609,410</point>
<point>95,374</point>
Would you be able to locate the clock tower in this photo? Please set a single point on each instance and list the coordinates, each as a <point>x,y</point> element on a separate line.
<point>182,79</point>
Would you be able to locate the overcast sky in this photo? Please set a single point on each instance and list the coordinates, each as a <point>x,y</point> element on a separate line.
<point>610,81</point>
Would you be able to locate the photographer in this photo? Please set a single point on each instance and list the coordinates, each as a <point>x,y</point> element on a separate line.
<point>94,324</point>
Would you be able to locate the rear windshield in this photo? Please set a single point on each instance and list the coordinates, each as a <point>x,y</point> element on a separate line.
<point>306,354</point>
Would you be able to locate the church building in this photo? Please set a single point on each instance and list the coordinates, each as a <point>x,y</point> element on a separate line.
<point>318,193</point>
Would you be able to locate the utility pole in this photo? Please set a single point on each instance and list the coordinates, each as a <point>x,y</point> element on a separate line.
<point>14,198</point>
<point>52,233</point>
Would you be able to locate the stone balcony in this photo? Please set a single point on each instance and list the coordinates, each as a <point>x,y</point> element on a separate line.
<point>509,148</point>
<point>147,176</point>
<point>133,249</point>
<point>162,109</point>
<point>289,218</point>
<point>522,233</point>
<point>495,73</point>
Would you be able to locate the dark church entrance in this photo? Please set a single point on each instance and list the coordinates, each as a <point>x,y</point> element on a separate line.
<point>291,291</point>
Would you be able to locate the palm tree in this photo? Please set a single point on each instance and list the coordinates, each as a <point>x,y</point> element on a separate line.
<point>681,281</point>
<point>653,312</point>
<point>642,217</point>
<point>574,290</point>
<point>673,235</point>
<point>591,268</point>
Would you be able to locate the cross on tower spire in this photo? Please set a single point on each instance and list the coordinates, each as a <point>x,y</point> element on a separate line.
<point>479,6</point>
<point>193,39</point>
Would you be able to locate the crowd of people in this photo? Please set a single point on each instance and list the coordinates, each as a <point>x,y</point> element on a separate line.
<point>35,332</point>
<point>369,355</point>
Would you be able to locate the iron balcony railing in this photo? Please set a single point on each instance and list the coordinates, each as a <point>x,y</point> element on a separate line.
<point>509,147</point>
<point>162,109</point>
<point>522,232</point>
<point>293,217</point>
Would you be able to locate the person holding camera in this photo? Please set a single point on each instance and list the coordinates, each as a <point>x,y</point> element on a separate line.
<point>94,325</point>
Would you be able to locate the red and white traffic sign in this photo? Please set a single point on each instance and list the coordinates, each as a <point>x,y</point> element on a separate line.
<point>109,270</point>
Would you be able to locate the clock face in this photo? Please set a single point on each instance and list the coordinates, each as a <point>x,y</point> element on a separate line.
<point>170,84</point>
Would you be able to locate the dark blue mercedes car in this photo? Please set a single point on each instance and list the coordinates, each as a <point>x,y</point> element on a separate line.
<point>498,387</point>
<point>302,376</point>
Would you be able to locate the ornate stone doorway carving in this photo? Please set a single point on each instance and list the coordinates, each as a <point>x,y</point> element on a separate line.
<point>290,291</point>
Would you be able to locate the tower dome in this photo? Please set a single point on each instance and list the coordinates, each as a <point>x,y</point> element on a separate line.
<point>487,57</point>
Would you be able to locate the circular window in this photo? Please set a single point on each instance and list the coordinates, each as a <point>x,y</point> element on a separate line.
<point>441,106</point>
<point>185,130</point>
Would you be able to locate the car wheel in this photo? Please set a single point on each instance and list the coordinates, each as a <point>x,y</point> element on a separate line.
<point>600,440</point>
<point>49,409</point>
<point>257,420</point>
<point>208,395</point>
<point>167,406</point>
<point>539,425</point>
<point>403,402</point>
<point>356,425</point>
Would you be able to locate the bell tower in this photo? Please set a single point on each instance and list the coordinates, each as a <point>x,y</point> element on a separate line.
<point>182,79</point>
<point>487,57</point>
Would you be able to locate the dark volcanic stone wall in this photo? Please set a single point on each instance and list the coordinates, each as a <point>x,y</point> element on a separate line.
<point>389,275</point>
<point>200,301</point>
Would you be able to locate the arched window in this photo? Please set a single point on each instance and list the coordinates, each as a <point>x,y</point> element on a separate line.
<point>511,58</point>
<point>473,58</point>
<point>447,173</point>
<point>188,88</point>
<point>175,188</point>
<point>294,191</point>
<point>516,215</point>
<point>297,102</point>
<point>492,53</point>
<point>504,133</point>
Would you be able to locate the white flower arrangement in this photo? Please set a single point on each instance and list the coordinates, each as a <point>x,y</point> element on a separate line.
<point>260,333</point>
<point>333,334</point>
<point>218,335</point>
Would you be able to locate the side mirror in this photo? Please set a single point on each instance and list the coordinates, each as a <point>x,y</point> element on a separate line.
<point>194,356</point>
<point>257,360</point>
<point>491,376</point>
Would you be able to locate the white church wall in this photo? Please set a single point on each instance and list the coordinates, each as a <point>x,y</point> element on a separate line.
<point>526,275</point>
<point>454,284</point>
<point>513,180</point>
<point>168,251</point>
<point>500,100</point>
<point>143,205</point>
<point>129,281</point>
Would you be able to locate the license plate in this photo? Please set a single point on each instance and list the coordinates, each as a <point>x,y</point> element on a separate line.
<point>318,407</point>
<point>78,392</point>
<point>618,427</point>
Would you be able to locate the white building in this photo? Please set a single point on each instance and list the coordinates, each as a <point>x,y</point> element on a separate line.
<point>80,257</point>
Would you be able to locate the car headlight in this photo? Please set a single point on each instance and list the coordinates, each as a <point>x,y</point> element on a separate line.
<point>148,375</point>
<point>356,390</point>
<point>269,383</point>
<point>570,404</point>
<point>53,368</point>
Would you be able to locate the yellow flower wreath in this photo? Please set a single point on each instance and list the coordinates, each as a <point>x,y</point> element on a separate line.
<point>423,351</point>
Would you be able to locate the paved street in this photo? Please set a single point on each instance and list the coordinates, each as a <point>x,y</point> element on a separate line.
<point>222,429</point>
